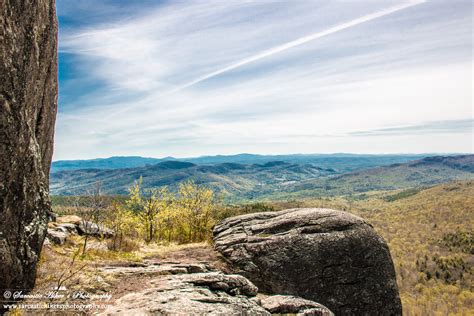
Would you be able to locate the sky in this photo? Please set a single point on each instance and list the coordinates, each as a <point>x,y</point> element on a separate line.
<point>191,78</point>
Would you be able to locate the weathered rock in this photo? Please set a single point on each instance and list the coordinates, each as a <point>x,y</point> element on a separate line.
<point>72,219</point>
<point>28,101</point>
<point>314,312</point>
<point>196,294</point>
<point>232,284</point>
<point>92,229</point>
<point>328,256</point>
<point>154,269</point>
<point>57,237</point>
<point>285,304</point>
<point>67,228</point>
<point>195,288</point>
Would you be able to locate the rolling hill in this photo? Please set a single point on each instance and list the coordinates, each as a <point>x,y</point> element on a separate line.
<point>270,180</point>
<point>226,178</point>
<point>431,239</point>
<point>419,173</point>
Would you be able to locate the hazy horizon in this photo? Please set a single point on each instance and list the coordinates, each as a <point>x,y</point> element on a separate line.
<point>276,154</point>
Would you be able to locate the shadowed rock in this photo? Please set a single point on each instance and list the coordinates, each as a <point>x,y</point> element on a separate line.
<point>331,257</point>
<point>28,101</point>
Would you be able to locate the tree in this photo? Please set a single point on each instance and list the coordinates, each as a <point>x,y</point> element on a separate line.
<point>123,223</point>
<point>92,212</point>
<point>195,203</point>
<point>147,205</point>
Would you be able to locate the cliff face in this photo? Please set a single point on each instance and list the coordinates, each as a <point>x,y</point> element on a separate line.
<point>28,105</point>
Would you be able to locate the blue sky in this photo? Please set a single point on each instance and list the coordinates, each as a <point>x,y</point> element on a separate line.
<point>190,78</point>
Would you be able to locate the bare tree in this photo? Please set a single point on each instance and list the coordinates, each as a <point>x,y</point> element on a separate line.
<point>92,212</point>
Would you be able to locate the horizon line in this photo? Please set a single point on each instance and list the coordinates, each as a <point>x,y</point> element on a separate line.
<point>277,154</point>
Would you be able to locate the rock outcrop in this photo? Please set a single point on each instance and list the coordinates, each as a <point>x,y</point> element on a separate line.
<point>65,226</point>
<point>198,289</point>
<point>287,304</point>
<point>28,101</point>
<point>93,229</point>
<point>331,257</point>
<point>197,294</point>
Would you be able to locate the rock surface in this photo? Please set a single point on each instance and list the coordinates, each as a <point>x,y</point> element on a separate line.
<point>28,101</point>
<point>287,304</point>
<point>57,237</point>
<point>328,256</point>
<point>156,269</point>
<point>64,226</point>
<point>198,289</point>
<point>93,229</point>
<point>68,219</point>
<point>211,293</point>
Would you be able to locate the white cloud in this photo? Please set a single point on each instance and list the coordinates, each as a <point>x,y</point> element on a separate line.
<point>406,68</point>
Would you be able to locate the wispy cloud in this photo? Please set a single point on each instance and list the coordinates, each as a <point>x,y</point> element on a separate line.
<point>301,41</point>
<point>438,127</point>
<point>374,64</point>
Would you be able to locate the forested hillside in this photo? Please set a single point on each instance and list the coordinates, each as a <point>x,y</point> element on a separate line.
<point>271,180</point>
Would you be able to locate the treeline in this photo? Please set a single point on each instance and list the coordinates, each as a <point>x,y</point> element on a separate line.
<point>185,215</point>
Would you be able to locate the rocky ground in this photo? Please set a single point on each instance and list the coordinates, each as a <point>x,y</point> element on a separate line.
<point>173,279</point>
<point>290,261</point>
<point>191,280</point>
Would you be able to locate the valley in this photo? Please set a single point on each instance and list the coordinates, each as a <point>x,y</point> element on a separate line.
<point>273,180</point>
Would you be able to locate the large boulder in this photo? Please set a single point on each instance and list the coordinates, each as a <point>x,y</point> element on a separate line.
<point>328,256</point>
<point>28,101</point>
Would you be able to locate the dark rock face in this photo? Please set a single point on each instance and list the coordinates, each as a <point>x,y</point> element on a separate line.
<point>28,101</point>
<point>331,257</point>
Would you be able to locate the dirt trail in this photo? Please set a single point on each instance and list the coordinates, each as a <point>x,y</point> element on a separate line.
<point>125,283</point>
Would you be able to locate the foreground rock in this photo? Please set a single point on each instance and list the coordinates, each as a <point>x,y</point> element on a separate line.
<point>210,293</point>
<point>137,269</point>
<point>328,256</point>
<point>197,289</point>
<point>287,304</point>
<point>28,101</point>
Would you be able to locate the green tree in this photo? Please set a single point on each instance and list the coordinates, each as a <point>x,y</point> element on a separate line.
<point>147,205</point>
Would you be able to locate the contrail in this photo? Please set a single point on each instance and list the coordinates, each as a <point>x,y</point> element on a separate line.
<point>300,41</point>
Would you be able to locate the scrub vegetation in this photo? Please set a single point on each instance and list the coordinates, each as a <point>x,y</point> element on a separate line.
<point>429,231</point>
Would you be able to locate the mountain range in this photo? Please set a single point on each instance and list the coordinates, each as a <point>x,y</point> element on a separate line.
<point>273,179</point>
<point>340,162</point>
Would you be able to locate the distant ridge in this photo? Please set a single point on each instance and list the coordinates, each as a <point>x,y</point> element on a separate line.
<point>341,161</point>
<point>117,162</point>
<point>227,178</point>
<point>273,179</point>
